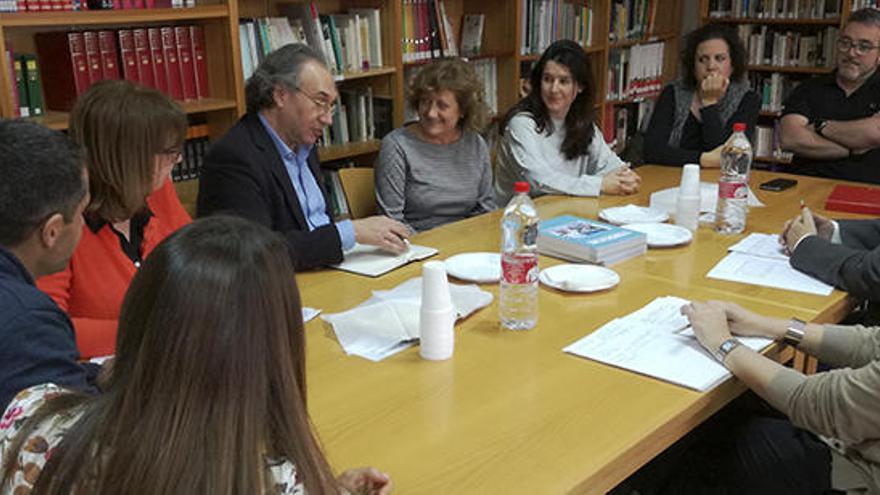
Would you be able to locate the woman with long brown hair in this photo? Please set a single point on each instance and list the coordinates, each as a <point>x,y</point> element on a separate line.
<point>132,137</point>
<point>207,393</point>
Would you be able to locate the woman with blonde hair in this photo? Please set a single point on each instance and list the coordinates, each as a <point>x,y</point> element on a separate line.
<point>132,137</point>
<point>436,170</point>
<point>207,393</point>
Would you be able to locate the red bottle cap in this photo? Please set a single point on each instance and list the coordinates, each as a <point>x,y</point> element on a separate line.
<point>739,127</point>
<point>520,187</point>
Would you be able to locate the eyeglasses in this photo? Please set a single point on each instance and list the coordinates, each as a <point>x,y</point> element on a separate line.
<point>862,47</point>
<point>325,106</point>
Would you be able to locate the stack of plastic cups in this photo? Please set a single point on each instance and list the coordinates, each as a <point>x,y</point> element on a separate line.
<point>687,205</point>
<point>437,315</point>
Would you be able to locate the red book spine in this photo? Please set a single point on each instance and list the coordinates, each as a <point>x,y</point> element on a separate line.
<point>172,64</point>
<point>93,56</point>
<point>142,54</point>
<point>129,58</point>
<point>154,38</point>
<point>81,76</point>
<point>16,97</point>
<point>185,60</point>
<point>197,37</point>
<point>109,54</point>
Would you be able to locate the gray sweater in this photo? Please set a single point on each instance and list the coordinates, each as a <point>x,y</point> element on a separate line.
<point>426,185</point>
<point>843,403</point>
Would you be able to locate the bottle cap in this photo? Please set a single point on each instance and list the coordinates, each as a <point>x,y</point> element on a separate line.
<point>521,187</point>
<point>739,127</point>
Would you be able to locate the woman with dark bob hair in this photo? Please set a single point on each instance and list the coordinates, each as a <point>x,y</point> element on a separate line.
<point>549,139</point>
<point>436,170</point>
<point>208,389</point>
<point>694,115</point>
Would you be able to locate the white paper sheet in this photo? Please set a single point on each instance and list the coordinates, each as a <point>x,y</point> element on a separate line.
<point>646,342</point>
<point>372,261</point>
<point>309,313</point>
<point>388,322</point>
<point>767,272</point>
<point>765,245</point>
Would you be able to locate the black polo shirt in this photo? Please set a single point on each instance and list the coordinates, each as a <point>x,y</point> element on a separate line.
<point>821,98</point>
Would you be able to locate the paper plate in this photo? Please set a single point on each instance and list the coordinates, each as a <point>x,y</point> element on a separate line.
<point>579,278</point>
<point>662,234</point>
<point>475,267</point>
<point>620,215</point>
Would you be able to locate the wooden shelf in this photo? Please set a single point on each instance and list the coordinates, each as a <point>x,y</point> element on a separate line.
<point>834,21</point>
<point>58,120</point>
<point>789,69</point>
<point>496,54</point>
<point>70,19</point>
<point>378,71</point>
<point>654,38</point>
<point>339,152</point>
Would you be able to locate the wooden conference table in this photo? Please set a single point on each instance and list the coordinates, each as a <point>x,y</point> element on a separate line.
<point>510,412</point>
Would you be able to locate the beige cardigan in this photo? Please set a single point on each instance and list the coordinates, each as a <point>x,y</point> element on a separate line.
<point>843,403</point>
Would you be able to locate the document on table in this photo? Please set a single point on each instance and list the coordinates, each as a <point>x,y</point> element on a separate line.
<point>757,260</point>
<point>372,261</point>
<point>309,313</point>
<point>646,342</point>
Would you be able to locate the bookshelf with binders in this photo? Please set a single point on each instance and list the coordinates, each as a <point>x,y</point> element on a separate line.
<point>786,42</point>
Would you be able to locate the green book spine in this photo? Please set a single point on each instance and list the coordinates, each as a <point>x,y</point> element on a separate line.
<point>21,84</point>
<point>34,85</point>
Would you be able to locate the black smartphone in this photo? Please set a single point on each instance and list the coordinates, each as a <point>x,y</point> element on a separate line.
<point>779,184</point>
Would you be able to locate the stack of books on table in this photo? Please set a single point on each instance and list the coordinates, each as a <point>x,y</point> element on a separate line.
<point>581,240</point>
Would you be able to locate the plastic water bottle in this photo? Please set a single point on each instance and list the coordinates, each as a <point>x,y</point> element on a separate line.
<point>518,297</point>
<point>733,186</point>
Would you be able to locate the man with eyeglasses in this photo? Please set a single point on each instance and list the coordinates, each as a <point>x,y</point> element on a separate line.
<point>831,122</point>
<point>266,167</point>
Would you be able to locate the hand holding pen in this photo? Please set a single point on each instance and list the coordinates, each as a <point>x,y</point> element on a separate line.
<point>797,228</point>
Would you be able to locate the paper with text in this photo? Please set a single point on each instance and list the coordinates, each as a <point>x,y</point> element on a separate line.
<point>765,245</point>
<point>767,272</point>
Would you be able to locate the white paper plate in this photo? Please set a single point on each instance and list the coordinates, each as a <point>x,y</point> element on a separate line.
<point>579,278</point>
<point>475,267</point>
<point>662,234</point>
<point>620,215</point>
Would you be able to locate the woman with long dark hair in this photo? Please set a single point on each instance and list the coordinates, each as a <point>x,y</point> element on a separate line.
<point>694,115</point>
<point>549,139</point>
<point>207,393</point>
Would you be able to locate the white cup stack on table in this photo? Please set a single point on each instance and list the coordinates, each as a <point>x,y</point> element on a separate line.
<point>436,315</point>
<point>687,205</point>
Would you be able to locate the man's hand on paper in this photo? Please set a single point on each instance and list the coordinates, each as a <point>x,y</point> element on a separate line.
<point>382,232</point>
<point>365,481</point>
<point>803,225</point>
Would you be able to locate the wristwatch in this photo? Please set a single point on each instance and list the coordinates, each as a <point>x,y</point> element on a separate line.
<point>819,126</point>
<point>794,334</point>
<point>725,348</point>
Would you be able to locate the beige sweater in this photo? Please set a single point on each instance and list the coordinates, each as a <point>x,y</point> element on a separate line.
<point>843,403</point>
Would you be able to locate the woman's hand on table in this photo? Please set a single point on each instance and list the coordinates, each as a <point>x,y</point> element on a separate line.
<point>365,481</point>
<point>621,181</point>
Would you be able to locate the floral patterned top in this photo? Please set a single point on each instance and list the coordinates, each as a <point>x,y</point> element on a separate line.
<point>50,432</point>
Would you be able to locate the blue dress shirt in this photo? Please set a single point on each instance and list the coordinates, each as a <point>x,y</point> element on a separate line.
<point>305,184</point>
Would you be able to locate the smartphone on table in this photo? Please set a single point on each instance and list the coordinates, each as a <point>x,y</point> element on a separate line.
<point>778,184</point>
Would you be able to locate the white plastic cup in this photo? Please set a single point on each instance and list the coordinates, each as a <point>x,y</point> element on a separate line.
<point>436,315</point>
<point>687,212</point>
<point>435,286</point>
<point>690,180</point>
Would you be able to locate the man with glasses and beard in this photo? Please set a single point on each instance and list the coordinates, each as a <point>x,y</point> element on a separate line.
<point>266,167</point>
<point>831,123</point>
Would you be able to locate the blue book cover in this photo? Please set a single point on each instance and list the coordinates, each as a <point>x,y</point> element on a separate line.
<point>588,233</point>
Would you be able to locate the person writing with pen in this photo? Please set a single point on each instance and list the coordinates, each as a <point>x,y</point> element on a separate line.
<point>266,167</point>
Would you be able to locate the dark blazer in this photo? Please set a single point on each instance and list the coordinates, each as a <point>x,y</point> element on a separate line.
<point>244,175</point>
<point>36,338</point>
<point>853,265</point>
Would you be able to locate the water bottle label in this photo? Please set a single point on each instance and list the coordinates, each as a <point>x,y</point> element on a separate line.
<point>519,269</point>
<point>732,190</point>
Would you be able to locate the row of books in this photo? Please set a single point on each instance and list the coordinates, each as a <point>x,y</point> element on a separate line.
<point>359,116</point>
<point>350,42</point>
<point>768,145</point>
<point>27,90</point>
<point>545,21</point>
<point>337,202</point>
<point>171,59</point>
<point>71,5</point>
<point>632,19</point>
<point>789,48</point>
<point>194,150</point>
<point>776,9</point>
<point>635,72</point>
<point>773,89</point>
<point>258,37</point>
<point>621,122</point>
<point>427,32</point>
<point>861,4</point>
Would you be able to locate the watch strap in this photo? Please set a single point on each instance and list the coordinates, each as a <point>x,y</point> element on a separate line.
<point>726,348</point>
<point>794,333</point>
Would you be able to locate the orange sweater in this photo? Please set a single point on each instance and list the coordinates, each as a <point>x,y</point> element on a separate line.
<point>92,286</point>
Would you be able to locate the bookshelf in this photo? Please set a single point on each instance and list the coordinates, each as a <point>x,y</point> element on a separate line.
<point>809,34</point>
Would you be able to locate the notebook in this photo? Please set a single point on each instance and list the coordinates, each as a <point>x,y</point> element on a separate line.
<point>372,261</point>
<point>854,199</point>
